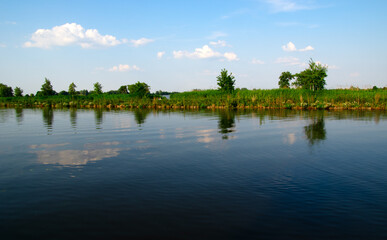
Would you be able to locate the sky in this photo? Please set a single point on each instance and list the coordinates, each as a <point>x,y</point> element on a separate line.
<point>183,45</point>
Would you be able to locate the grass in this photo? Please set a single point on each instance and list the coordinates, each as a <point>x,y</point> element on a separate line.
<point>239,99</point>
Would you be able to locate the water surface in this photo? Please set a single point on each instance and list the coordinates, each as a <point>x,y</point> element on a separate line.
<point>97,174</point>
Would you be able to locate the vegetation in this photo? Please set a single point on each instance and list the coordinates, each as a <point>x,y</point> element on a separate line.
<point>139,89</point>
<point>72,87</point>
<point>97,88</point>
<point>284,80</point>
<point>312,78</point>
<point>226,81</point>
<point>214,99</point>
<point>5,91</point>
<point>310,95</point>
<point>47,89</point>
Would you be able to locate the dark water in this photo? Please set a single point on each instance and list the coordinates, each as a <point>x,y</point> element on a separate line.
<point>85,174</point>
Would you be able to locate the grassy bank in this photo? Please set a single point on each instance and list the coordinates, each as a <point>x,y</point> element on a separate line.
<point>240,99</point>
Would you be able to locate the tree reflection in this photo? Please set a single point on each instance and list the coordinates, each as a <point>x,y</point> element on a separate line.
<point>226,123</point>
<point>73,117</point>
<point>19,115</point>
<point>140,116</point>
<point>315,132</point>
<point>98,115</point>
<point>48,118</point>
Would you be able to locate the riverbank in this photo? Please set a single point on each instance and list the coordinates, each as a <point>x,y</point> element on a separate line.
<point>214,99</point>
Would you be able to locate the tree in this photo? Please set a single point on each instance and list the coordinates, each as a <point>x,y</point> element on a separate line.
<point>225,82</point>
<point>18,92</point>
<point>284,79</point>
<point>72,90</point>
<point>5,91</point>
<point>47,89</point>
<point>140,89</point>
<point>123,90</point>
<point>97,88</point>
<point>312,78</point>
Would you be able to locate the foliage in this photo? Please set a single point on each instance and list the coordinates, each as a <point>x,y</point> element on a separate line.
<point>225,81</point>
<point>5,91</point>
<point>312,78</point>
<point>72,87</point>
<point>97,88</point>
<point>284,80</point>
<point>123,90</point>
<point>139,89</point>
<point>18,92</point>
<point>63,93</point>
<point>47,89</point>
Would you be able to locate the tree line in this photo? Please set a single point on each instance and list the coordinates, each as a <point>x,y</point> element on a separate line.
<point>139,89</point>
<point>312,78</point>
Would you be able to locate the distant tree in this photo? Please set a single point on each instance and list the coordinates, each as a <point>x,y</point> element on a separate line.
<point>72,90</point>
<point>18,92</point>
<point>63,93</point>
<point>97,88</point>
<point>5,91</point>
<point>374,88</point>
<point>83,92</point>
<point>139,89</point>
<point>47,89</point>
<point>284,80</point>
<point>312,78</point>
<point>123,90</point>
<point>225,81</point>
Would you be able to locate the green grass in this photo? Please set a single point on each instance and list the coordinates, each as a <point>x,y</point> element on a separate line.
<point>275,98</point>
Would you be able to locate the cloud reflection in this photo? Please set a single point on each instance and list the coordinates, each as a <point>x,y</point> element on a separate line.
<point>68,157</point>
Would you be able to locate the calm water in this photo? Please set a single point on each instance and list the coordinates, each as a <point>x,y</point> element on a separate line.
<point>85,174</point>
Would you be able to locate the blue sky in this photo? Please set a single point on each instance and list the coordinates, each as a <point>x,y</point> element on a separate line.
<point>183,45</point>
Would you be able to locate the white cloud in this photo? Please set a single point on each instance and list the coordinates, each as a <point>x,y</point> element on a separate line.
<point>289,61</point>
<point>160,55</point>
<point>124,68</point>
<point>71,34</point>
<point>2,45</point>
<point>204,53</point>
<point>230,56</point>
<point>290,47</point>
<point>141,41</point>
<point>289,5</point>
<point>219,43</point>
<point>257,61</point>
<point>308,48</point>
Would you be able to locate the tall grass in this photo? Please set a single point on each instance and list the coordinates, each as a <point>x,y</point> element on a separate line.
<point>275,98</point>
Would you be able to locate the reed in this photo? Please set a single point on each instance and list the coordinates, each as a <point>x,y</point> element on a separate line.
<point>240,99</point>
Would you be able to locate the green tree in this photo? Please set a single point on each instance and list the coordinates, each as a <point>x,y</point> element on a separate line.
<point>312,78</point>
<point>72,90</point>
<point>97,88</point>
<point>47,89</point>
<point>225,81</point>
<point>5,91</point>
<point>123,90</point>
<point>284,79</point>
<point>18,92</point>
<point>139,89</point>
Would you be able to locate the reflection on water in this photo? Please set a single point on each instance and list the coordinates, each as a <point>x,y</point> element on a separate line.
<point>19,115</point>
<point>226,123</point>
<point>316,132</point>
<point>73,117</point>
<point>178,177</point>
<point>98,113</point>
<point>55,154</point>
<point>48,119</point>
<point>140,115</point>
